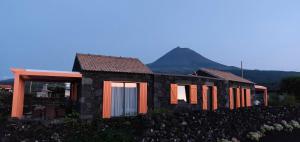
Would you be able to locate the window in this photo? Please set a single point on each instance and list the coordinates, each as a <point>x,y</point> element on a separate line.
<point>258,98</point>
<point>182,93</point>
<point>124,99</point>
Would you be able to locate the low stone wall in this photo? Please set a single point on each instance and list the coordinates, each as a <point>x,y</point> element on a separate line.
<point>161,125</point>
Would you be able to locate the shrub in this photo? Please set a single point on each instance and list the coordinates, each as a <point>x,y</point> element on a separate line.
<point>255,136</point>
<point>223,140</point>
<point>295,124</point>
<point>278,127</point>
<point>160,111</point>
<point>287,126</point>
<point>264,128</point>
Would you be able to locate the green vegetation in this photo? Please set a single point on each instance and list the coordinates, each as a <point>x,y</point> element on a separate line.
<point>159,111</point>
<point>280,99</point>
<point>5,105</point>
<point>288,94</point>
<point>114,130</point>
<point>291,85</point>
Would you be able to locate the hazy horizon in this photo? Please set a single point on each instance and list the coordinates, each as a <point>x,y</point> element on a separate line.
<point>35,34</point>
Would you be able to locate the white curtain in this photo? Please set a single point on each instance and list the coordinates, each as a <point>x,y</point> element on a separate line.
<point>124,99</point>
<point>130,99</point>
<point>117,100</point>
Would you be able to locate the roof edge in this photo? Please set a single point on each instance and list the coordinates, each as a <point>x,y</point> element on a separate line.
<point>203,69</point>
<point>88,54</point>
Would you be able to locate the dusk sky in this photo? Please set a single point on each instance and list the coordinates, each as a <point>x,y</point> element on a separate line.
<point>40,34</point>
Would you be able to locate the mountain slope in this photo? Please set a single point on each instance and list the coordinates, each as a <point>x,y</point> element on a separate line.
<point>7,82</point>
<point>271,79</point>
<point>184,61</point>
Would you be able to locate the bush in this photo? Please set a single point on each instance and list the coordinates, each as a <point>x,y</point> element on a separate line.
<point>255,136</point>
<point>282,99</point>
<point>278,127</point>
<point>295,124</point>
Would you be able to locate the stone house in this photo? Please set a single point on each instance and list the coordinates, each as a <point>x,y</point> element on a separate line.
<point>119,86</point>
<point>106,87</point>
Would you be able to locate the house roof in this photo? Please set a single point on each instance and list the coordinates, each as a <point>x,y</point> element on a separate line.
<point>189,75</point>
<point>5,86</point>
<point>259,87</point>
<point>224,75</point>
<point>89,62</point>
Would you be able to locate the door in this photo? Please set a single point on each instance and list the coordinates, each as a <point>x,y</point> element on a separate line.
<point>234,97</point>
<point>209,98</point>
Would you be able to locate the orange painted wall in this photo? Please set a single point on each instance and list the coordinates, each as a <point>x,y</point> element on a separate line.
<point>18,97</point>
<point>231,104</point>
<point>204,97</point>
<point>193,94</point>
<point>215,97</point>
<point>46,74</point>
<point>248,97</point>
<point>238,99</point>
<point>143,98</point>
<point>173,94</point>
<point>20,75</point>
<point>242,97</point>
<point>106,113</point>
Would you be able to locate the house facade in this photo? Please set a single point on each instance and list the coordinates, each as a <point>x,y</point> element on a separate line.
<point>106,87</point>
<point>118,86</point>
<point>113,86</point>
<point>237,90</point>
<point>187,91</point>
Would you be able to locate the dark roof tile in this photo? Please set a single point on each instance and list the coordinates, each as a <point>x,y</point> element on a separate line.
<point>225,75</point>
<point>90,62</point>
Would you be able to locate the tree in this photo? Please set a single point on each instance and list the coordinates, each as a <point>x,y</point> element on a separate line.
<point>291,85</point>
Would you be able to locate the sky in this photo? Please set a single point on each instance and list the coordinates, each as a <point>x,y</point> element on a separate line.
<point>35,34</point>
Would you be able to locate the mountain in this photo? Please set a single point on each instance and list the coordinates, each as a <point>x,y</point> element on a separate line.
<point>271,79</point>
<point>7,82</point>
<point>186,61</point>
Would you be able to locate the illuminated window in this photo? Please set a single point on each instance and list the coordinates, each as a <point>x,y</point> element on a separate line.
<point>182,93</point>
<point>123,99</point>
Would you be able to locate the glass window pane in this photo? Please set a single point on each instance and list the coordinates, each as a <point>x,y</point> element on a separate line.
<point>130,99</point>
<point>181,92</point>
<point>117,84</point>
<point>117,99</point>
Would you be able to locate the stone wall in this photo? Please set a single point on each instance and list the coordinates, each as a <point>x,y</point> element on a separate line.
<point>91,90</point>
<point>162,90</point>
